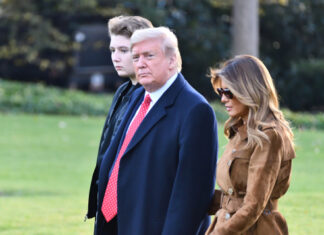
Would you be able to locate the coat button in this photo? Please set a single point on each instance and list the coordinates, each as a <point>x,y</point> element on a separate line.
<point>230,191</point>
<point>229,162</point>
<point>227,216</point>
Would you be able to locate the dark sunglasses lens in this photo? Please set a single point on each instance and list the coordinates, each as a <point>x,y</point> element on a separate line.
<point>225,92</point>
<point>228,93</point>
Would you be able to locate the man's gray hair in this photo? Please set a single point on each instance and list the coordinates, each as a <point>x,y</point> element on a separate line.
<point>169,41</point>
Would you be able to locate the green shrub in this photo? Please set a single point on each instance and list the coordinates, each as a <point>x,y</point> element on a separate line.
<point>305,88</point>
<point>305,120</point>
<point>36,98</point>
<point>296,119</point>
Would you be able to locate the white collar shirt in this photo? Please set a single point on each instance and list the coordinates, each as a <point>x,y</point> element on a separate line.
<point>156,95</point>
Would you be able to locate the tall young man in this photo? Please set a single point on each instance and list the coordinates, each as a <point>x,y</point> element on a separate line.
<point>120,30</point>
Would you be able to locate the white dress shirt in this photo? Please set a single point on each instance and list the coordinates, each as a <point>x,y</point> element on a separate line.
<point>156,95</point>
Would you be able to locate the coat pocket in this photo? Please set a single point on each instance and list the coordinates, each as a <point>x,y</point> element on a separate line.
<point>238,172</point>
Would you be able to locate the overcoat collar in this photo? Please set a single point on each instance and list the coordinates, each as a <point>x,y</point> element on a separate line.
<point>158,111</point>
<point>242,131</point>
<point>124,94</point>
<point>241,127</point>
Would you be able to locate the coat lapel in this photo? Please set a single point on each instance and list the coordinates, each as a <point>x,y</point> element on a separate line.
<point>158,111</point>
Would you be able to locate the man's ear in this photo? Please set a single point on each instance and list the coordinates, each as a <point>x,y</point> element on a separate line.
<point>172,61</point>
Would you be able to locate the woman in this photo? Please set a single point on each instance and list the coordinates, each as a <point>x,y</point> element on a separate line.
<point>254,171</point>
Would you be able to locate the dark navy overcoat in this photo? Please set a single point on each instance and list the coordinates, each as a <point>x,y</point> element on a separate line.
<point>167,173</point>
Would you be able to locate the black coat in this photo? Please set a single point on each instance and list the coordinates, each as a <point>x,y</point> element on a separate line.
<point>116,112</point>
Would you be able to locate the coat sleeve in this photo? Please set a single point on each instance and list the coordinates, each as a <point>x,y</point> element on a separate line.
<point>262,174</point>
<point>195,177</point>
<point>92,201</point>
<point>215,203</point>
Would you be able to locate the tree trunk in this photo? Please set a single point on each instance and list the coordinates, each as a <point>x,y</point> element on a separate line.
<point>245,27</point>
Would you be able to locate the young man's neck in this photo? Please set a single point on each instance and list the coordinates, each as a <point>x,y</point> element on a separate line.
<point>133,80</point>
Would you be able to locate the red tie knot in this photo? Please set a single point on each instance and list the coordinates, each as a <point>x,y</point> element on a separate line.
<point>147,99</point>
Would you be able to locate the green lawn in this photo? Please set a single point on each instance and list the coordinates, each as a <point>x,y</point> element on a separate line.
<point>46,164</point>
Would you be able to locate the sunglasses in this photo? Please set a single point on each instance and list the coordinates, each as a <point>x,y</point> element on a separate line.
<point>225,92</point>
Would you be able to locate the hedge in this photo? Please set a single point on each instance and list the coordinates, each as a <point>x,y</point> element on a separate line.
<point>36,98</point>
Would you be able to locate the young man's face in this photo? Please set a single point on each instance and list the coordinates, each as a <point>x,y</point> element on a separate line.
<point>121,55</point>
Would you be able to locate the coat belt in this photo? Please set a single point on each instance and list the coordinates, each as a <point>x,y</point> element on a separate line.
<point>232,204</point>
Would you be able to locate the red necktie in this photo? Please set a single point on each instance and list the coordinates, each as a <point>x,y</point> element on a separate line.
<point>109,203</point>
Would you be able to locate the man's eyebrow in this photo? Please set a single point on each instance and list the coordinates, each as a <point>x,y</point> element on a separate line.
<point>147,52</point>
<point>119,47</point>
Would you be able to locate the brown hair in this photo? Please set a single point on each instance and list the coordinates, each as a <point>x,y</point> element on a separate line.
<point>251,83</point>
<point>126,25</point>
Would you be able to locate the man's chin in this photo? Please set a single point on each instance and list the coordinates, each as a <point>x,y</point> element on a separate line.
<point>125,75</point>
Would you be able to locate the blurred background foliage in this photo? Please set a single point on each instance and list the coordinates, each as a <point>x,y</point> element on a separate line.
<point>35,98</point>
<point>37,40</point>
<point>17,97</point>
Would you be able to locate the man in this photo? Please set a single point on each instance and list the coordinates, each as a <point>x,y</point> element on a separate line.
<point>158,174</point>
<point>120,29</point>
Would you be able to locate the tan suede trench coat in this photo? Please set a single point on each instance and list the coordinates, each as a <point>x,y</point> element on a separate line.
<point>251,182</point>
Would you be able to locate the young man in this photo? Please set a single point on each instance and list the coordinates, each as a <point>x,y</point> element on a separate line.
<point>120,29</point>
<point>165,152</point>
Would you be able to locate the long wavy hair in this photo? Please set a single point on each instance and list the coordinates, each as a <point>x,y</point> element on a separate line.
<point>250,82</point>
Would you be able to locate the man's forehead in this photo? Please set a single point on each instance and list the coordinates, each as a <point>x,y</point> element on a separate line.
<point>147,46</point>
<point>143,50</point>
<point>119,41</point>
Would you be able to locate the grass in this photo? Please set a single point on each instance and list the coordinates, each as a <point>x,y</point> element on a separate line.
<point>46,164</point>
<point>45,170</point>
<point>303,205</point>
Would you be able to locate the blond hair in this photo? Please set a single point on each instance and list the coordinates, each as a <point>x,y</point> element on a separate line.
<point>169,41</point>
<point>250,82</point>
